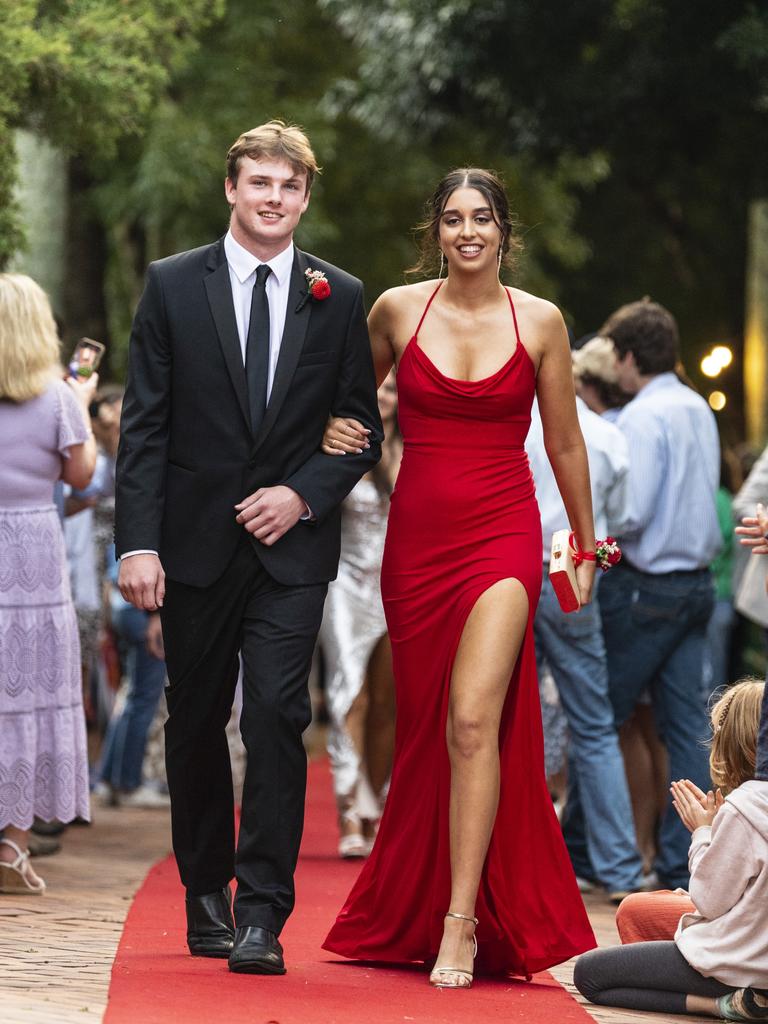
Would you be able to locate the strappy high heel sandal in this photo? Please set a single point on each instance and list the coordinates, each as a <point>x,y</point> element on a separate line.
<point>465,978</point>
<point>14,875</point>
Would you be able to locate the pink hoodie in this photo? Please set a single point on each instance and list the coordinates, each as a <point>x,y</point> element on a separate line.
<point>728,938</point>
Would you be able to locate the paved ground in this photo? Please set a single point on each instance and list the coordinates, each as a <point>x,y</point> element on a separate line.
<point>56,951</point>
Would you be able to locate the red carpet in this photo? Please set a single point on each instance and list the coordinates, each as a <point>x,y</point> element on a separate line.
<point>155,981</point>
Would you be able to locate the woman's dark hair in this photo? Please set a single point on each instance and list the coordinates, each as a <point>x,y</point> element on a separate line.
<point>649,332</point>
<point>492,189</point>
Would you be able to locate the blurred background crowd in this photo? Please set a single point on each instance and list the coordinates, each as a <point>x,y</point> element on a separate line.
<point>632,139</point>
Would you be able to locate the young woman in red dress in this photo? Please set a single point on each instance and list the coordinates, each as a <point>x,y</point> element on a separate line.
<point>469,848</point>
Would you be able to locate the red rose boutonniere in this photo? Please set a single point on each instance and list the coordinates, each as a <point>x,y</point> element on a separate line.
<point>317,285</point>
<point>318,288</point>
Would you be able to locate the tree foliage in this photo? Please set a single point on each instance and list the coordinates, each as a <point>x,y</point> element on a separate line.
<point>86,73</point>
<point>287,58</point>
<point>672,97</point>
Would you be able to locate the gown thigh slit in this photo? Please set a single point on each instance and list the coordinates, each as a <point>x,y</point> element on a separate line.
<point>463,517</point>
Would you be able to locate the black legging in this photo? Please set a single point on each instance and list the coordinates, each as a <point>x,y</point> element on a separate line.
<point>761,766</point>
<point>642,976</point>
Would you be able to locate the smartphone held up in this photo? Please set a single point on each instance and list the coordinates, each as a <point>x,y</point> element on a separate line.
<point>85,359</point>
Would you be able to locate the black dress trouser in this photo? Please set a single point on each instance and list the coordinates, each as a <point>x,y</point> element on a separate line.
<point>274,627</point>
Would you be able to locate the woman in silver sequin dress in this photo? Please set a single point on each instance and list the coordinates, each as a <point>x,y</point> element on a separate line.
<point>359,688</point>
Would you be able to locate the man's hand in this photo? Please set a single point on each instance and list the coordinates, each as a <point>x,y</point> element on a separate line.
<point>754,531</point>
<point>270,512</point>
<point>154,637</point>
<point>142,581</point>
<point>694,807</point>
<point>344,436</point>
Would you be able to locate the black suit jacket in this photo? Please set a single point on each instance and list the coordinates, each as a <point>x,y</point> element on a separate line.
<point>187,455</point>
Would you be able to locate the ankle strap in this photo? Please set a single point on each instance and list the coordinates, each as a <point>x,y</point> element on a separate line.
<point>462,917</point>
<point>21,854</point>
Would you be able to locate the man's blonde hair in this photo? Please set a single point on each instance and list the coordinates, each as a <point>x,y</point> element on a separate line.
<point>29,344</point>
<point>735,723</point>
<point>596,360</point>
<point>274,140</point>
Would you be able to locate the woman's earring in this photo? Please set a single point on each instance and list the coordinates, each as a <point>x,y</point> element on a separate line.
<point>501,255</point>
<point>442,264</point>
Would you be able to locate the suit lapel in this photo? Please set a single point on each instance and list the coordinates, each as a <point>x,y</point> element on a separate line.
<point>296,322</point>
<point>219,291</point>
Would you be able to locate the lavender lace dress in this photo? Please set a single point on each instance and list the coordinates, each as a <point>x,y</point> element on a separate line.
<point>43,755</point>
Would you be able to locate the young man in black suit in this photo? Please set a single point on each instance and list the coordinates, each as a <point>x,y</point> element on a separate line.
<point>227,519</point>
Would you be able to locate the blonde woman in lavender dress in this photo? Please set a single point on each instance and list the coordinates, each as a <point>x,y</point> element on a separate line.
<point>359,688</point>
<point>45,436</point>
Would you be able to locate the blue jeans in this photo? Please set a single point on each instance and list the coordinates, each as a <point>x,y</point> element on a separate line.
<point>655,628</point>
<point>573,647</point>
<point>717,653</point>
<point>126,737</point>
<point>761,765</point>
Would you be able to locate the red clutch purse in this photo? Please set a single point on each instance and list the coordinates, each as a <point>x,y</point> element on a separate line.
<point>562,572</point>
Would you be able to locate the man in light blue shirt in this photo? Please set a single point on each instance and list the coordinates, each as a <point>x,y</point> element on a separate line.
<point>572,645</point>
<point>656,603</point>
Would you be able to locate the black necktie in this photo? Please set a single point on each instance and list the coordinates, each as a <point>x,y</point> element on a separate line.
<point>257,348</point>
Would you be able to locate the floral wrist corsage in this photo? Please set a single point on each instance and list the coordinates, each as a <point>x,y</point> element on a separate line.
<point>607,553</point>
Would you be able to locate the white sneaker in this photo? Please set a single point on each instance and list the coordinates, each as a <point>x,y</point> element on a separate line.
<point>145,797</point>
<point>105,794</point>
<point>585,885</point>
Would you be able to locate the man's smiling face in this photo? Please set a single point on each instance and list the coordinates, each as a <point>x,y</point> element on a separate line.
<point>266,203</point>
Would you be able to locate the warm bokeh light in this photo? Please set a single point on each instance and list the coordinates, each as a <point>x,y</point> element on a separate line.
<point>723,355</point>
<point>716,360</point>
<point>717,400</point>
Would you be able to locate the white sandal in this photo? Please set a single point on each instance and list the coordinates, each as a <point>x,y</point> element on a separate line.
<point>466,977</point>
<point>355,844</point>
<point>14,877</point>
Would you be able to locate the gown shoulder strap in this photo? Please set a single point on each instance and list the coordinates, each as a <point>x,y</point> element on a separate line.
<point>426,309</point>
<point>514,314</point>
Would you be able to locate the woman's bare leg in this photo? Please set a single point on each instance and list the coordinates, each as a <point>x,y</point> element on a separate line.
<point>380,721</point>
<point>488,651</point>
<point>640,779</point>
<point>349,823</point>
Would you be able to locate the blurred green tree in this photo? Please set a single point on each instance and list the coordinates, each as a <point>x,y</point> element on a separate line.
<point>86,73</point>
<point>287,58</point>
<point>672,98</point>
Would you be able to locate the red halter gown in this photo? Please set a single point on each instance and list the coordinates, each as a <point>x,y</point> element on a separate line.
<point>463,516</point>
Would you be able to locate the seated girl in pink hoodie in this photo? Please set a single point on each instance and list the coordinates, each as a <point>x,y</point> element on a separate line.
<point>720,944</point>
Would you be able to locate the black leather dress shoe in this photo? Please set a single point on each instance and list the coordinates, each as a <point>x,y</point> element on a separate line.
<point>256,951</point>
<point>210,925</point>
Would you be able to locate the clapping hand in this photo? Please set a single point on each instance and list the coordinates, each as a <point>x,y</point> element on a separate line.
<point>754,531</point>
<point>694,807</point>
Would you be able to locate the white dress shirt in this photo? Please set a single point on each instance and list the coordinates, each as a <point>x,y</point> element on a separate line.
<point>242,275</point>
<point>674,472</point>
<point>608,466</point>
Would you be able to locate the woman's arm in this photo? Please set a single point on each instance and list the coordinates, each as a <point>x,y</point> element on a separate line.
<point>77,469</point>
<point>380,329</point>
<point>348,436</point>
<point>563,439</point>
